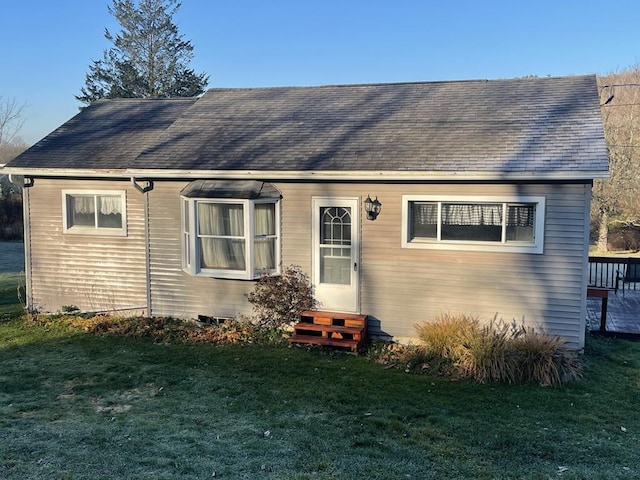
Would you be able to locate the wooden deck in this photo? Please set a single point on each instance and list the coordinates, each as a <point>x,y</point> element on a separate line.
<point>623,313</point>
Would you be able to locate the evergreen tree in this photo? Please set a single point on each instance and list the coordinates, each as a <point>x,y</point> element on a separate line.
<point>149,57</point>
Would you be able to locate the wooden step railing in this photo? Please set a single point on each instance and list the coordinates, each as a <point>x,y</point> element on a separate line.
<point>334,329</point>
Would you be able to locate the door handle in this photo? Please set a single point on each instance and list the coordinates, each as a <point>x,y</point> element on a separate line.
<point>355,266</point>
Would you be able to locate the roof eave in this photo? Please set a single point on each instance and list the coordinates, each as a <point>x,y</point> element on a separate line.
<point>64,172</point>
<point>333,175</point>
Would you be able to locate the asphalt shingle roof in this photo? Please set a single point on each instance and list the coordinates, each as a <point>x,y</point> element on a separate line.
<point>109,134</point>
<point>520,125</point>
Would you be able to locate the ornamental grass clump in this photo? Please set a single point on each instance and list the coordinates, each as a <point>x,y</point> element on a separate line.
<point>485,354</point>
<point>544,358</point>
<point>499,352</point>
<point>446,335</point>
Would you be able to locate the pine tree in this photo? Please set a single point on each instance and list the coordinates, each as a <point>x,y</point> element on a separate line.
<point>149,57</point>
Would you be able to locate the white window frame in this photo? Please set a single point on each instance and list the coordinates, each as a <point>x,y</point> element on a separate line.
<point>95,230</point>
<point>190,247</point>
<point>536,247</point>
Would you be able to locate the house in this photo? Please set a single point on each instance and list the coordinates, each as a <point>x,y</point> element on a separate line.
<point>176,206</point>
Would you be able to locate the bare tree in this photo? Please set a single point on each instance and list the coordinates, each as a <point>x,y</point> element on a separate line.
<point>615,200</point>
<point>11,120</point>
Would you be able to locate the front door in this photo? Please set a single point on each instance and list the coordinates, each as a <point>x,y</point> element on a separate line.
<point>335,253</point>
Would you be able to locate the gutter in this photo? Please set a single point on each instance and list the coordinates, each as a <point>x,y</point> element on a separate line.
<point>21,183</point>
<point>330,175</point>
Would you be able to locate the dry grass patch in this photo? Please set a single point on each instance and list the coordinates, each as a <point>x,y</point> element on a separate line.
<point>165,329</point>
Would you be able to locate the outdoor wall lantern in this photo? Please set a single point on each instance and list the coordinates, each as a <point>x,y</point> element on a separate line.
<point>372,207</point>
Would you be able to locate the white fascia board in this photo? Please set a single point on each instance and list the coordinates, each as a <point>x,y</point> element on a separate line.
<point>335,175</point>
<point>64,172</point>
<point>351,175</point>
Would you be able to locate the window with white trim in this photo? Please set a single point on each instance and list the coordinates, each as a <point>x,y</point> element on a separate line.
<point>94,212</point>
<point>231,238</point>
<point>490,223</point>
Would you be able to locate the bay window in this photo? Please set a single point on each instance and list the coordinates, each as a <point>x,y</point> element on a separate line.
<point>230,237</point>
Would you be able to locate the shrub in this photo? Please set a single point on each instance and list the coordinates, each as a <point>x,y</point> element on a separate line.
<point>278,300</point>
<point>500,352</point>
<point>624,237</point>
<point>10,215</point>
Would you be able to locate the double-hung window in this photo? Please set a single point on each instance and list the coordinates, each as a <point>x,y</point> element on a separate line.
<point>92,212</point>
<point>477,223</point>
<point>231,237</point>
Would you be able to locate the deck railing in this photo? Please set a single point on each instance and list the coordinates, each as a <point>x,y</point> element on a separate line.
<point>614,272</point>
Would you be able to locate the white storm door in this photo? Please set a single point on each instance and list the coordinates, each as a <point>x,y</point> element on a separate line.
<point>335,253</point>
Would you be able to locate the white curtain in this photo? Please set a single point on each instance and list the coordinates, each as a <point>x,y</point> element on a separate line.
<point>84,204</point>
<point>265,227</point>
<point>216,221</point>
<point>110,205</point>
<point>471,214</point>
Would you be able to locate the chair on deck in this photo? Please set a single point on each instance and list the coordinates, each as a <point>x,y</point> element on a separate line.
<point>630,274</point>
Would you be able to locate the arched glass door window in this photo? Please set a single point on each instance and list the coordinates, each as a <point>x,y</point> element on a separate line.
<point>335,245</point>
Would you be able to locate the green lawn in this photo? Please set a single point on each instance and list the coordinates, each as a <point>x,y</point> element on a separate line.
<point>9,303</point>
<point>75,406</point>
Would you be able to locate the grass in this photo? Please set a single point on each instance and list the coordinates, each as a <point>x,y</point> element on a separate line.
<point>9,303</point>
<point>76,406</point>
<point>593,251</point>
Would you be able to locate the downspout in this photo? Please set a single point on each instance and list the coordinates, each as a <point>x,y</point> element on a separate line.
<point>26,183</point>
<point>147,248</point>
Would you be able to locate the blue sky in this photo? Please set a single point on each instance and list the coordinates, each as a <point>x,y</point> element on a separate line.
<point>46,47</point>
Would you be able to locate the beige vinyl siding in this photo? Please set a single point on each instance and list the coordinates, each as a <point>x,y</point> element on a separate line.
<point>400,286</point>
<point>92,272</point>
<point>173,291</point>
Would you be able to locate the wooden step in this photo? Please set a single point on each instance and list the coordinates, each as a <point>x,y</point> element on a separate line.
<point>336,329</point>
<point>320,317</point>
<point>314,340</point>
<point>326,328</point>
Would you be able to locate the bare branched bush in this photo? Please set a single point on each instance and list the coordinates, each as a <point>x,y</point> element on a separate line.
<point>278,300</point>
